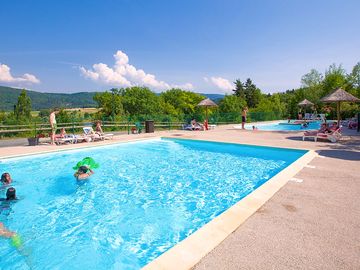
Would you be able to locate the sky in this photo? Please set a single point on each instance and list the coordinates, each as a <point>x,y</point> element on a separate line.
<point>199,45</point>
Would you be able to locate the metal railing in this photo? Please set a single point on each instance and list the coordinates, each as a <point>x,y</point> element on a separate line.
<point>161,122</point>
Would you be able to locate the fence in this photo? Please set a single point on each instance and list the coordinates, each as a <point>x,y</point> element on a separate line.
<point>38,127</point>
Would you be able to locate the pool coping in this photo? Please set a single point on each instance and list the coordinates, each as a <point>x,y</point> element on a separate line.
<point>79,147</point>
<point>188,252</point>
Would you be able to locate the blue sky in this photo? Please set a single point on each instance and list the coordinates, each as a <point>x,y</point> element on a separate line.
<point>203,45</point>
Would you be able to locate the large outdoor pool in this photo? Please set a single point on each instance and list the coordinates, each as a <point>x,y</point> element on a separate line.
<point>144,198</point>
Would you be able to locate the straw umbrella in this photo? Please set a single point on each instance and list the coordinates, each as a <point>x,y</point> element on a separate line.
<point>207,103</point>
<point>305,103</point>
<point>339,95</point>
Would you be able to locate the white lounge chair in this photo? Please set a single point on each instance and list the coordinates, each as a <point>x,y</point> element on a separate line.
<point>89,132</point>
<point>333,136</point>
<point>65,139</point>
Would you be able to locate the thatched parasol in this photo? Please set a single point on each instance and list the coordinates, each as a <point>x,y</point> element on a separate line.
<point>305,103</point>
<point>339,95</point>
<point>207,103</point>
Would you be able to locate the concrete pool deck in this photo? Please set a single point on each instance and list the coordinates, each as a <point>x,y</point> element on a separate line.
<point>310,223</point>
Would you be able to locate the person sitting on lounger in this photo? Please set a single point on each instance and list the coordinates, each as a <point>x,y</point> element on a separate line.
<point>323,129</point>
<point>193,124</point>
<point>333,127</point>
<point>61,134</point>
<point>352,124</point>
<point>83,173</point>
<point>98,128</point>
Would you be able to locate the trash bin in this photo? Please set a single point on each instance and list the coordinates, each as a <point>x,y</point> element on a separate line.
<point>149,126</point>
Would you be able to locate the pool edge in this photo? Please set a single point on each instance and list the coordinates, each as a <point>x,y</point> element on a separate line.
<point>187,253</point>
<point>80,146</point>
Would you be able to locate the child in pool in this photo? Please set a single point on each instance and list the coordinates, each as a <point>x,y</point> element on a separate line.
<point>83,173</point>
<point>5,232</point>
<point>6,179</point>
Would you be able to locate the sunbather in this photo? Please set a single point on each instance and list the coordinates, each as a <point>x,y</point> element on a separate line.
<point>352,124</point>
<point>61,134</point>
<point>98,128</point>
<point>91,134</point>
<point>333,127</point>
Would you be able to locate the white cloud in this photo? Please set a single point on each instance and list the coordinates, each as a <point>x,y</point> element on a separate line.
<point>220,83</point>
<point>124,75</point>
<point>5,76</point>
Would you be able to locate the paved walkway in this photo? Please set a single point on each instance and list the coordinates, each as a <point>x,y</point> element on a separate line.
<point>313,224</point>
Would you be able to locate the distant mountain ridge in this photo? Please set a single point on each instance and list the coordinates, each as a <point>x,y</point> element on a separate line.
<point>39,100</point>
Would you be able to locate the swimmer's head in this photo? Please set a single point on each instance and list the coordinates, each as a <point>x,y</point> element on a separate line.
<point>83,169</point>
<point>11,194</point>
<point>6,178</point>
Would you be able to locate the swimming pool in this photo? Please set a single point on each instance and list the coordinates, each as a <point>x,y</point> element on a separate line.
<point>145,197</point>
<point>284,126</point>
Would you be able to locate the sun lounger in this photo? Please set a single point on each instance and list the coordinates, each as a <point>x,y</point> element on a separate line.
<point>90,134</point>
<point>65,139</point>
<point>333,136</point>
<point>190,127</point>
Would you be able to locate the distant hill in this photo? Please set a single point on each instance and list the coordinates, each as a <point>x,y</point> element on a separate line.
<point>215,97</point>
<point>9,96</point>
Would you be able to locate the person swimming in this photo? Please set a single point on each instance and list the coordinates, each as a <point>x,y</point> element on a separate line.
<point>6,179</point>
<point>83,173</point>
<point>305,125</point>
<point>5,205</point>
<point>11,194</point>
<point>4,232</point>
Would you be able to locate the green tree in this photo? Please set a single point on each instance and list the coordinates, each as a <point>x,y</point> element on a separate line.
<point>231,104</point>
<point>239,90</point>
<point>23,107</point>
<point>312,79</point>
<point>110,102</point>
<point>140,101</point>
<point>179,102</point>
<point>252,94</point>
<point>354,80</point>
<point>335,77</point>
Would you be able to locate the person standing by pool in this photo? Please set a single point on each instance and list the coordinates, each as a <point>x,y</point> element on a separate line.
<point>243,117</point>
<point>53,124</point>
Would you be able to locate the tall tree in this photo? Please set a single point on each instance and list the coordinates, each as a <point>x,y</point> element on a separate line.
<point>335,77</point>
<point>354,79</point>
<point>239,90</point>
<point>140,100</point>
<point>179,101</point>
<point>312,79</point>
<point>252,94</point>
<point>231,104</point>
<point>110,102</point>
<point>23,107</point>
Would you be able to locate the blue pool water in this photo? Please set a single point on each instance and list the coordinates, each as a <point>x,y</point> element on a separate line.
<point>284,126</point>
<point>145,197</point>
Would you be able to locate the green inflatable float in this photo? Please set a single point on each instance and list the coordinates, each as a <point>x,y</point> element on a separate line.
<point>88,162</point>
<point>16,241</point>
